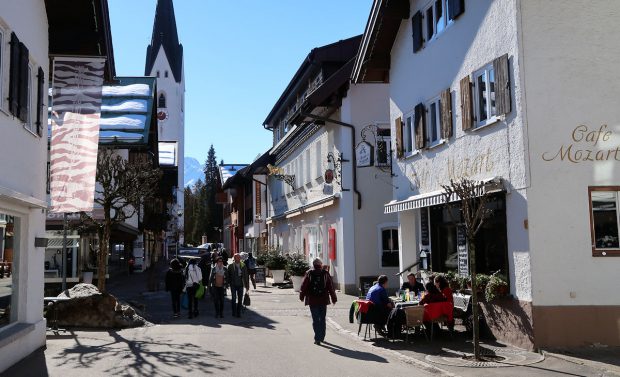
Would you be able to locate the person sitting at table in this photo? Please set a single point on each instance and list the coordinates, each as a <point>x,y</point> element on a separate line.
<point>442,284</point>
<point>383,305</point>
<point>432,294</point>
<point>413,285</point>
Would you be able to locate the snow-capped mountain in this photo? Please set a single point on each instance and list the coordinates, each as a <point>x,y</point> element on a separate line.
<point>193,171</point>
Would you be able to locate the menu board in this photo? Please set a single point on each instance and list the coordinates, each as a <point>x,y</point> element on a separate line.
<point>424,236</point>
<point>260,275</point>
<point>463,254</point>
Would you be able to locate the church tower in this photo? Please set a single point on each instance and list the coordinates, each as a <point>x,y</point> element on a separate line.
<point>164,59</point>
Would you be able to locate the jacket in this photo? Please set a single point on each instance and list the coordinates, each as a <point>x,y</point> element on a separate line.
<point>323,299</point>
<point>174,280</point>
<point>194,275</point>
<point>231,278</point>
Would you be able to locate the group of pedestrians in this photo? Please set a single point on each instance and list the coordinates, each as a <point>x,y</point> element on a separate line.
<point>216,276</point>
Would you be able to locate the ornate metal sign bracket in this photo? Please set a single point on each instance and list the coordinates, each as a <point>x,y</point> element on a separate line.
<point>278,173</point>
<point>335,161</point>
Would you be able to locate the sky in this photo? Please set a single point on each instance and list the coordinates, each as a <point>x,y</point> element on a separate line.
<point>238,57</point>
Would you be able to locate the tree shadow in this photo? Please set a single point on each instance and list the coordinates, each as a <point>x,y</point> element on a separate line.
<point>142,357</point>
<point>352,354</point>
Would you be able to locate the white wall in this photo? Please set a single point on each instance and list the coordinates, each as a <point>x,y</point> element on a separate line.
<point>570,66</point>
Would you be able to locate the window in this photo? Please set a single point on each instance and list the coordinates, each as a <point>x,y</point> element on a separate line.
<point>484,96</point>
<point>161,102</point>
<point>408,134</point>
<point>157,74</point>
<point>166,74</point>
<point>433,121</point>
<point>604,220</point>
<point>384,147</point>
<point>436,18</point>
<point>389,247</point>
<point>28,123</point>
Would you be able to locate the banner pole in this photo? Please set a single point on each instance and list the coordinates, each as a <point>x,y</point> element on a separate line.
<point>64,251</point>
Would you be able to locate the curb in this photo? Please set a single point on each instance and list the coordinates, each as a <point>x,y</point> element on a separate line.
<point>404,358</point>
<point>575,360</point>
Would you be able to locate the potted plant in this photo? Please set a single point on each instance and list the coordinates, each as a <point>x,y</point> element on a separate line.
<point>453,281</point>
<point>497,286</point>
<point>276,263</point>
<point>297,267</point>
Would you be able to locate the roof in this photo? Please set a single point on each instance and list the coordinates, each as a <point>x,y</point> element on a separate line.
<point>228,170</point>
<point>373,59</point>
<point>338,52</point>
<point>126,112</point>
<point>165,35</point>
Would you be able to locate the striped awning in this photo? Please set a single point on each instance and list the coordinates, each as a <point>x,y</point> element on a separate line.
<point>437,197</point>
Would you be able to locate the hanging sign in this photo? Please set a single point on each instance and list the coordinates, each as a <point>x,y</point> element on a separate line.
<point>364,155</point>
<point>424,236</point>
<point>463,254</point>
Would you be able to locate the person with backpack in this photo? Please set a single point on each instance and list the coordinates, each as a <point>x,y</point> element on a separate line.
<point>193,278</point>
<point>316,290</point>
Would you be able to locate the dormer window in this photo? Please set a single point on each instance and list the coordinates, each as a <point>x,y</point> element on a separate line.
<point>166,74</point>
<point>161,101</point>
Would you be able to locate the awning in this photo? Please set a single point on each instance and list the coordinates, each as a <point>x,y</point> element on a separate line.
<point>437,197</point>
<point>56,243</point>
<point>322,203</point>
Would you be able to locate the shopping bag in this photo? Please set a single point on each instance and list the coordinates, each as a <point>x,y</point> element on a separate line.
<point>200,292</point>
<point>184,300</point>
<point>246,299</point>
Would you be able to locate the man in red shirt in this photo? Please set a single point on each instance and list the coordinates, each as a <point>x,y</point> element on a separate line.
<point>316,290</point>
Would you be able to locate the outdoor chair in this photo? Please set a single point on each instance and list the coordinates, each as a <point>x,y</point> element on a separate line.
<point>367,318</point>
<point>414,318</point>
<point>440,313</point>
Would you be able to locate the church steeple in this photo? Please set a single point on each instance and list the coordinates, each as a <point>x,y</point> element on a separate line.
<point>165,35</point>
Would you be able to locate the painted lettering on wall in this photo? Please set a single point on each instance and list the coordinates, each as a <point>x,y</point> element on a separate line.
<point>470,166</point>
<point>585,146</point>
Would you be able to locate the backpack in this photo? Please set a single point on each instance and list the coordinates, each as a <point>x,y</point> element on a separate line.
<point>317,283</point>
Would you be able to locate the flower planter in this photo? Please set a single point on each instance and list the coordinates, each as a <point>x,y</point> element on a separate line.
<point>278,276</point>
<point>297,280</point>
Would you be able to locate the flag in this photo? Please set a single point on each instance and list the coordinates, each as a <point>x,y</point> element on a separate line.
<point>76,109</point>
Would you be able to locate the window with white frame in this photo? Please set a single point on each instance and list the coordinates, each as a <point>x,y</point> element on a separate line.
<point>604,221</point>
<point>484,95</point>
<point>29,124</point>
<point>384,147</point>
<point>389,247</point>
<point>408,134</point>
<point>433,121</point>
<point>436,18</point>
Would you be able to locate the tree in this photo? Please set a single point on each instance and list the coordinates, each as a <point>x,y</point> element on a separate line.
<point>122,186</point>
<point>213,212</point>
<point>473,209</point>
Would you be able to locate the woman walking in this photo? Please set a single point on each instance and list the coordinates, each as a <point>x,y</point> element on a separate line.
<point>192,282</point>
<point>174,285</point>
<point>251,263</point>
<point>217,280</point>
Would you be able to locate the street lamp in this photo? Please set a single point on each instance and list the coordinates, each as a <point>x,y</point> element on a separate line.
<point>424,259</point>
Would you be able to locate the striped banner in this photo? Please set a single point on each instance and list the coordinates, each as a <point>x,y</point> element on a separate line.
<point>76,109</point>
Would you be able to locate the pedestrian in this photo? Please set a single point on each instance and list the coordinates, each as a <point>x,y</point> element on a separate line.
<point>316,290</point>
<point>251,263</point>
<point>237,279</point>
<point>174,285</point>
<point>217,281</point>
<point>205,268</point>
<point>224,254</point>
<point>193,277</point>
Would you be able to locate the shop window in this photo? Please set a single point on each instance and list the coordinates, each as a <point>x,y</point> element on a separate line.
<point>604,220</point>
<point>491,240</point>
<point>8,276</point>
<point>484,96</point>
<point>389,247</point>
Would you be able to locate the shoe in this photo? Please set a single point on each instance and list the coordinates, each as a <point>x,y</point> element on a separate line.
<point>221,315</point>
<point>176,315</point>
<point>317,342</point>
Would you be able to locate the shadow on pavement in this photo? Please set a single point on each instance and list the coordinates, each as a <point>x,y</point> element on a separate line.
<point>141,357</point>
<point>358,355</point>
<point>32,365</point>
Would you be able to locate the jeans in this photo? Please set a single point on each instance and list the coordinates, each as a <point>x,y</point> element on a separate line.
<point>237,296</point>
<point>176,301</point>
<point>318,321</point>
<point>192,301</point>
<point>218,299</point>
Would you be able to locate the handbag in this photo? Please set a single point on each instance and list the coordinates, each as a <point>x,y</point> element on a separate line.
<point>200,291</point>
<point>246,299</point>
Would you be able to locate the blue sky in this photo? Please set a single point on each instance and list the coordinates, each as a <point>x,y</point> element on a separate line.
<point>239,57</point>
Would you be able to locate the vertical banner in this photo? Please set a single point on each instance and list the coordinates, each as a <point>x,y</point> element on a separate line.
<point>76,109</point>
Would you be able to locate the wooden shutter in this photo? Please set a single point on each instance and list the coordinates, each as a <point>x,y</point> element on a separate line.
<point>455,8</point>
<point>24,103</point>
<point>416,24</point>
<point>466,103</point>
<point>420,126</point>
<point>40,100</point>
<point>446,114</point>
<point>14,76</point>
<point>398,123</point>
<point>502,85</point>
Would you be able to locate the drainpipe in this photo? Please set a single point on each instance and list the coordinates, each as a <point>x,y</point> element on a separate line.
<point>352,128</point>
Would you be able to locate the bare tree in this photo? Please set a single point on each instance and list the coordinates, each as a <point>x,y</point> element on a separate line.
<point>473,199</point>
<point>122,186</point>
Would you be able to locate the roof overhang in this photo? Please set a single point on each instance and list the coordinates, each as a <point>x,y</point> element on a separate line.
<point>373,59</point>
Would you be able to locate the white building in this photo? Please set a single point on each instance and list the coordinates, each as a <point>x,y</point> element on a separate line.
<point>321,204</point>
<point>515,93</point>
<point>29,33</point>
<point>164,60</point>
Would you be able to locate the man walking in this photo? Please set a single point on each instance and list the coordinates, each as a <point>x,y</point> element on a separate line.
<point>238,279</point>
<point>316,290</point>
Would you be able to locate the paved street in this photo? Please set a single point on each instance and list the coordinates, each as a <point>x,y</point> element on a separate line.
<point>274,338</point>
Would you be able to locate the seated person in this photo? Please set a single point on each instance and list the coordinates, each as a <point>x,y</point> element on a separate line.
<point>432,294</point>
<point>383,305</point>
<point>442,284</point>
<point>412,285</point>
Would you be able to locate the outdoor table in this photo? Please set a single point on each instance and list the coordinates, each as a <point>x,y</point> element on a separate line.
<point>404,304</point>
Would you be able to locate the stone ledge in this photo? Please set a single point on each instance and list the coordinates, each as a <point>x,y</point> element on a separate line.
<point>14,332</point>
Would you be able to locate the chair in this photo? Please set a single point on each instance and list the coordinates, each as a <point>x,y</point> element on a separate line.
<point>366,318</point>
<point>439,312</point>
<point>414,317</point>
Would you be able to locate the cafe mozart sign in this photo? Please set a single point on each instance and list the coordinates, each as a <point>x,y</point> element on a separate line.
<point>586,144</point>
<point>364,155</point>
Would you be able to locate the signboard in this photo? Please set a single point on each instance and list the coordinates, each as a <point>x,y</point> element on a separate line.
<point>463,254</point>
<point>258,205</point>
<point>364,155</point>
<point>260,275</point>
<point>424,234</point>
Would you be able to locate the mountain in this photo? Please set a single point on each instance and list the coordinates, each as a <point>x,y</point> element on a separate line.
<point>193,171</point>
